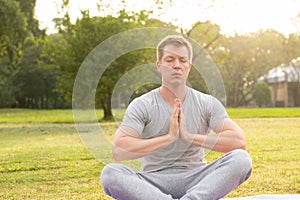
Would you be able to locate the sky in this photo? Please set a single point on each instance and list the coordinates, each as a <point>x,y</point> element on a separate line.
<point>233,16</point>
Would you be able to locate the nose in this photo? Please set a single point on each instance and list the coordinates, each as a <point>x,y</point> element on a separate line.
<point>176,64</point>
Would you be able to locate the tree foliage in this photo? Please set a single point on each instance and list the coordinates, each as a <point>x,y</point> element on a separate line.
<point>35,82</point>
<point>79,39</point>
<point>247,57</point>
<point>262,94</point>
<point>17,25</point>
<point>39,70</point>
<point>13,31</point>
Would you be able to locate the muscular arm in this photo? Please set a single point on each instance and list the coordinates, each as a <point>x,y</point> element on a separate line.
<point>131,146</point>
<point>227,138</point>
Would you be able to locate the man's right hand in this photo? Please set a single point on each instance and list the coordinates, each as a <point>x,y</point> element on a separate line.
<point>175,120</point>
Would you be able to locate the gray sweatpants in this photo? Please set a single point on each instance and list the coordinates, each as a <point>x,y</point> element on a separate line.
<point>210,182</point>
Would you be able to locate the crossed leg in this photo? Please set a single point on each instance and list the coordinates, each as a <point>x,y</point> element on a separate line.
<point>211,182</point>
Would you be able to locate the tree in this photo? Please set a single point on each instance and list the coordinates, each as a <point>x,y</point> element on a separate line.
<point>27,8</point>
<point>205,34</point>
<point>12,35</point>
<point>12,31</point>
<point>291,48</point>
<point>262,94</point>
<point>247,57</point>
<point>17,25</point>
<point>79,39</point>
<point>34,83</point>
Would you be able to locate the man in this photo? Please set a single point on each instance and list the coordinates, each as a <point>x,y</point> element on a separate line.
<point>168,128</point>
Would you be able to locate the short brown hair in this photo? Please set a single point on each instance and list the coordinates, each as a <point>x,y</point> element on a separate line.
<point>176,40</point>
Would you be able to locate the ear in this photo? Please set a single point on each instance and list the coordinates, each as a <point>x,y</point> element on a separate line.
<point>190,66</point>
<point>158,66</point>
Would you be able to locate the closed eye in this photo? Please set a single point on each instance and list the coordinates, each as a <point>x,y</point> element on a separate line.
<point>183,60</point>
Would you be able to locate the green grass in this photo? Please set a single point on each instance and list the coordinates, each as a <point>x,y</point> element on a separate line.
<point>263,112</point>
<point>273,144</point>
<point>66,116</point>
<point>40,116</point>
<point>42,156</point>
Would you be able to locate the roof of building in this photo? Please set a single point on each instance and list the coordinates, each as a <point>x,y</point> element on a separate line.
<point>285,72</point>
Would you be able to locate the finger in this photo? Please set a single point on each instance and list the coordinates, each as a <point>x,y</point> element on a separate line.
<point>177,109</point>
<point>177,102</point>
<point>181,115</point>
<point>176,114</point>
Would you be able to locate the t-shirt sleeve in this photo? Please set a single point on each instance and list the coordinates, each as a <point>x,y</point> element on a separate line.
<point>217,112</point>
<point>135,116</point>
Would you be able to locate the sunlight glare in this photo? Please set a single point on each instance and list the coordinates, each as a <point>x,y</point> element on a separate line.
<point>233,16</point>
<point>250,16</point>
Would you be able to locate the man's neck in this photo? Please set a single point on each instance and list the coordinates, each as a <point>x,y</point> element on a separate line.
<point>170,94</point>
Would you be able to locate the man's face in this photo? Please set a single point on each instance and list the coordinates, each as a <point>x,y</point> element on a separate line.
<point>174,65</point>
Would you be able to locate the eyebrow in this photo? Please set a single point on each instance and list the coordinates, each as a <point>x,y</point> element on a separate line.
<point>180,57</point>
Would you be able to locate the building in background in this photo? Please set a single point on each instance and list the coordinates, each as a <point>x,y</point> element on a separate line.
<point>284,83</point>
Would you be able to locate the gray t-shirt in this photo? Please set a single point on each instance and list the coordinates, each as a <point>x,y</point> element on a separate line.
<point>150,114</point>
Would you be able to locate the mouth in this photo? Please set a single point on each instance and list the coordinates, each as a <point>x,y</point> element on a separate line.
<point>176,74</point>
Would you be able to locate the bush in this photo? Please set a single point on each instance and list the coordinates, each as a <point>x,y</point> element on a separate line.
<point>262,94</point>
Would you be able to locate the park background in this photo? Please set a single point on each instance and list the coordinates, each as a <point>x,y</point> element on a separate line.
<point>42,155</point>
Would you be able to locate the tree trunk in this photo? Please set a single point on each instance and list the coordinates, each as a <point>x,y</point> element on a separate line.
<point>106,105</point>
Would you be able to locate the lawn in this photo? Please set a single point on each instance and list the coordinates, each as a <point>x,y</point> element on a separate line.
<point>42,156</point>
